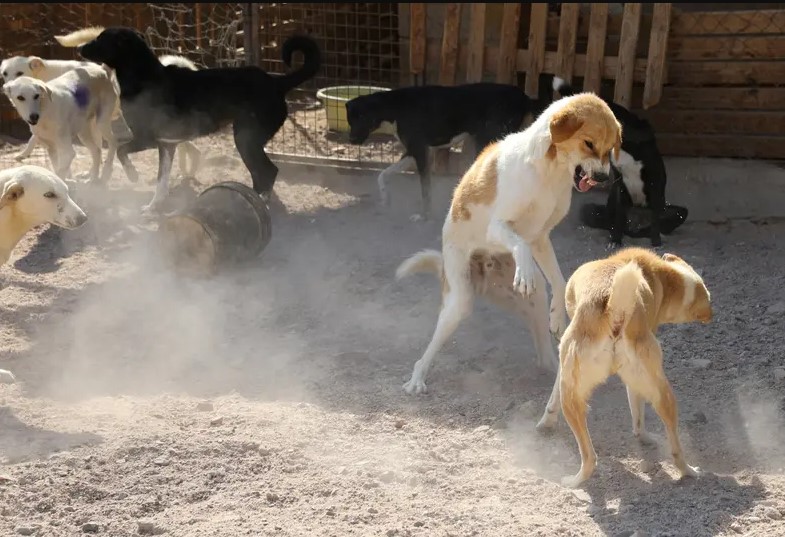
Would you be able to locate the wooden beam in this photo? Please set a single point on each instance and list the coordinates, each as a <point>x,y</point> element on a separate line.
<point>450,34</point>
<point>508,43</point>
<point>568,32</point>
<point>702,145</point>
<point>537,33</point>
<point>474,63</point>
<point>658,46</point>
<point>722,98</point>
<point>198,15</point>
<point>627,44</point>
<point>728,47</point>
<point>725,122</point>
<point>763,21</point>
<point>417,49</point>
<point>595,49</point>
<point>747,74</point>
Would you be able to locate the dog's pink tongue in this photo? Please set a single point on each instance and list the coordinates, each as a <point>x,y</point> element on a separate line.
<point>583,184</point>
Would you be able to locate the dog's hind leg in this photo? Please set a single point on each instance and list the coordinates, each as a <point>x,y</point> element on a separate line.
<point>65,156</point>
<point>646,377</point>
<point>421,156</point>
<point>122,155</point>
<point>91,139</point>
<point>185,151</point>
<point>27,151</point>
<point>250,138</point>
<point>637,411</point>
<point>457,302</point>
<point>404,164</point>
<point>165,158</point>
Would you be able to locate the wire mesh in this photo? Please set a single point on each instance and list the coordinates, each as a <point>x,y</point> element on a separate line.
<point>359,44</point>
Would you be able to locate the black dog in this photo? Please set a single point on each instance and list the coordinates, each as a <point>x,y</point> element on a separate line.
<point>643,181</point>
<point>166,105</point>
<point>427,117</point>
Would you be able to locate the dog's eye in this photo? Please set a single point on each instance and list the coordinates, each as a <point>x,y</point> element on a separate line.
<point>50,195</point>
<point>589,145</point>
<point>20,73</point>
<point>35,97</point>
<point>21,98</point>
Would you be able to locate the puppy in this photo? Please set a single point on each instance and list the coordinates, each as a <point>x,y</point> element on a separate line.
<point>616,305</point>
<point>167,105</point>
<point>47,70</point>
<point>79,102</point>
<point>427,117</point>
<point>510,199</point>
<point>32,196</point>
<point>642,169</point>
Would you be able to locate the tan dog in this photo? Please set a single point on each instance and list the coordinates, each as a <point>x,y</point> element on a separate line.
<point>616,305</point>
<point>31,196</point>
<point>509,200</point>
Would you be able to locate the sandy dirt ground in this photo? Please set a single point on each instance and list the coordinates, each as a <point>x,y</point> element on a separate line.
<point>268,401</point>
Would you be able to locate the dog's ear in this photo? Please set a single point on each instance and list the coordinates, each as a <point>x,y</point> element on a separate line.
<point>12,192</point>
<point>671,257</point>
<point>617,145</point>
<point>564,125</point>
<point>47,91</point>
<point>35,64</point>
<point>7,89</point>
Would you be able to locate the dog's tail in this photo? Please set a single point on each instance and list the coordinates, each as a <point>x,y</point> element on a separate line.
<point>79,37</point>
<point>625,295</point>
<point>563,87</point>
<point>178,61</point>
<point>311,65</point>
<point>423,261</point>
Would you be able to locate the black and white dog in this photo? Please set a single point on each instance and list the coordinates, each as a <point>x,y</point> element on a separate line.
<point>426,117</point>
<point>165,105</point>
<point>643,182</point>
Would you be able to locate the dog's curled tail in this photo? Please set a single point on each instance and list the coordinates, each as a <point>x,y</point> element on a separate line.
<point>79,37</point>
<point>625,294</point>
<point>423,261</point>
<point>563,87</point>
<point>311,64</point>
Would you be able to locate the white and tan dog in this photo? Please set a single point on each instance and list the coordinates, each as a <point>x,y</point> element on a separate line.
<point>46,70</point>
<point>509,200</point>
<point>31,196</point>
<point>80,102</point>
<point>616,305</point>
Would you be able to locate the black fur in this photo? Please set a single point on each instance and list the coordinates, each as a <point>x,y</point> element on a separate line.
<point>431,116</point>
<point>165,105</point>
<point>639,140</point>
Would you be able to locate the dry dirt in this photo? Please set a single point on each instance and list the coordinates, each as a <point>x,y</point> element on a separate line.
<point>268,401</point>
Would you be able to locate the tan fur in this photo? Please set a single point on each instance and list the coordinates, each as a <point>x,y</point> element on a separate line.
<point>583,121</point>
<point>478,185</point>
<point>79,37</point>
<point>616,305</point>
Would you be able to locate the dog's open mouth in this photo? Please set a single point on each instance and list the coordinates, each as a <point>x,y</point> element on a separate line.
<point>583,182</point>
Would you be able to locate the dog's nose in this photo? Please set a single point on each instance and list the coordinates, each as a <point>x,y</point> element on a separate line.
<point>34,118</point>
<point>80,219</point>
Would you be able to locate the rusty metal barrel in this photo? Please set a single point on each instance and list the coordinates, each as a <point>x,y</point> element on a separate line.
<point>228,224</point>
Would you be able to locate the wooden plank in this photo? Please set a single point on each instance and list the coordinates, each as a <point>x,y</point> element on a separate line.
<point>658,46</point>
<point>723,98</point>
<point>701,145</point>
<point>508,42</point>
<point>247,34</point>
<point>417,50</point>
<point>474,63</point>
<point>628,42</point>
<point>764,21</point>
<point>595,49</point>
<point>724,122</point>
<point>537,33</point>
<point>585,28</point>
<point>198,15</point>
<point>256,42</point>
<point>688,74</point>
<point>565,51</point>
<point>450,34</point>
<point>726,48</point>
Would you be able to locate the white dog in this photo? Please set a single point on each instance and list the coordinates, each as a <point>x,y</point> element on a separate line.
<point>509,200</point>
<point>80,102</point>
<point>31,196</point>
<point>46,70</point>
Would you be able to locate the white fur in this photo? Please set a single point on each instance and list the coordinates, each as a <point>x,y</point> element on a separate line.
<point>31,196</point>
<point>533,195</point>
<point>631,175</point>
<point>60,118</point>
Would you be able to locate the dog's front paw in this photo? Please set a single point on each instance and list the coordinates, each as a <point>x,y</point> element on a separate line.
<point>690,471</point>
<point>153,208</point>
<point>573,481</point>
<point>415,387</point>
<point>558,321</point>
<point>20,157</point>
<point>523,282</point>
<point>547,422</point>
<point>6,377</point>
